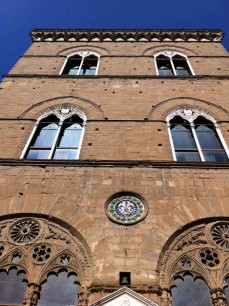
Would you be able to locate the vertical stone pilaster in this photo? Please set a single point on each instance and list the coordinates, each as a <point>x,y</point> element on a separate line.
<point>166,299</point>
<point>32,294</point>
<point>218,297</point>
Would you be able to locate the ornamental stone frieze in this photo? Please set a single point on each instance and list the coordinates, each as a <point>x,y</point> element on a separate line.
<point>72,35</point>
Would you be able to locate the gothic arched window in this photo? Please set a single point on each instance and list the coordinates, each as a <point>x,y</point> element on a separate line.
<point>195,137</point>
<point>12,287</point>
<point>172,63</point>
<point>81,63</point>
<point>190,292</point>
<point>56,136</point>
<point>59,289</point>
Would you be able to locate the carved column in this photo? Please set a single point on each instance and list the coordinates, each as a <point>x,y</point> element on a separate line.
<point>32,294</point>
<point>218,297</point>
<point>83,297</point>
<point>166,299</point>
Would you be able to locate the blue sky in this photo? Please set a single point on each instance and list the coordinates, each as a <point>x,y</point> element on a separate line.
<point>19,17</point>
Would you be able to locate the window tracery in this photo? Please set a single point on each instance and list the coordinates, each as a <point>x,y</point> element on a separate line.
<point>81,63</point>
<point>195,136</point>
<point>57,135</point>
<point>172,63</point>
<point>195,253</point>
<point>52,250</point>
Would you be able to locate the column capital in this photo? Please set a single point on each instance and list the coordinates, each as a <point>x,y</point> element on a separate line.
<point>218,297</point>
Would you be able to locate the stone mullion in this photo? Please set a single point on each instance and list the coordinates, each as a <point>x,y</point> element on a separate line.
<point>32,294</point>
<point>218,297</point>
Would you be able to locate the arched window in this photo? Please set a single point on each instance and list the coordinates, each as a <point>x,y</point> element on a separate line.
<point>195,137</point>
<point>12,287</point>
<point>58,290</point>
<point>190,292</point>
<point>172,63</point>
<point>56,136</point>
<point>81,63</point>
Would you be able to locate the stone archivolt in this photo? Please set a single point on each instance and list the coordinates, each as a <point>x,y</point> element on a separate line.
<point>203,252</point>
<point>38,247</point>
<point>125,35</point>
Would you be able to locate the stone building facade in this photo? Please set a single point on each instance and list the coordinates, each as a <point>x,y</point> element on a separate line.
<point>114,169</point>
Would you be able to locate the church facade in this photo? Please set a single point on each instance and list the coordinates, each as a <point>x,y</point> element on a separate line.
<point>114,170</point>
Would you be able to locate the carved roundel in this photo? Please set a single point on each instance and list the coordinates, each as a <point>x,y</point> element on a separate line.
<point>25,231</point>
<point>220,235</point>
<point>126,208</point>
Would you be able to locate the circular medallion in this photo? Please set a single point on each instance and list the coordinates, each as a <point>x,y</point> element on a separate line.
<point>220,235</point>
<point>126,209</point>
<point>25,231</point>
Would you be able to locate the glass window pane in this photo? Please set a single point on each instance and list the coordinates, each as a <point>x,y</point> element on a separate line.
<point>215,156</point>
<point>72,65</point>
<point>45,135</point>
<point>187,156</point>
<point>38,154</point>
<point>182,137</point>
<point>207,137</point>
<point>191,293</point>
<point>65,154</point>
<point>70,136</point>
<point>164,67</point>
<point>181,66</point>
<point>12,287</point>
<point>59,290</point>
<point>89,66</point>
<point>73,71</point>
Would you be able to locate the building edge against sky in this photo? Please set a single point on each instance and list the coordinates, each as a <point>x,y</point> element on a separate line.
<point>114,169</point>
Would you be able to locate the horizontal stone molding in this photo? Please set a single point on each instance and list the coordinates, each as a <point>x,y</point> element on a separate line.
<point>112,164</point>
<point>125,35</point>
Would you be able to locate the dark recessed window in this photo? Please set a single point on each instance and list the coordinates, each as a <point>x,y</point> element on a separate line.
<point>55,138</point>
<point>195,141</point>
<point>171,63</point>
<point>84,63</point>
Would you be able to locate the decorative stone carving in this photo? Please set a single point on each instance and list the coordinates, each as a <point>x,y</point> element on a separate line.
<point>32,294</point>
<point>63,112</point>
<point>209,258</point>
<point>218,297</point>
<point>25,231</point>
<point>1,249</point>
<point>83,298</point>
<point>166,299</point>
<point>189,114</point>
<point>220,235</point>
<point>126,209</point>
<point>192,239</point>
<point>41,252</point>
<point>195,251</point>
<point>56,236</point>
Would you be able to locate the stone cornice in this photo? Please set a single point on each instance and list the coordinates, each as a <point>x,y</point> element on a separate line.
<point>111,164</point>
<point>126,35</point>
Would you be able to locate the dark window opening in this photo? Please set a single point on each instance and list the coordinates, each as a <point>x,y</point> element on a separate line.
<point>59,290</point>
<point>12,287</point>
<point>56,140</point>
